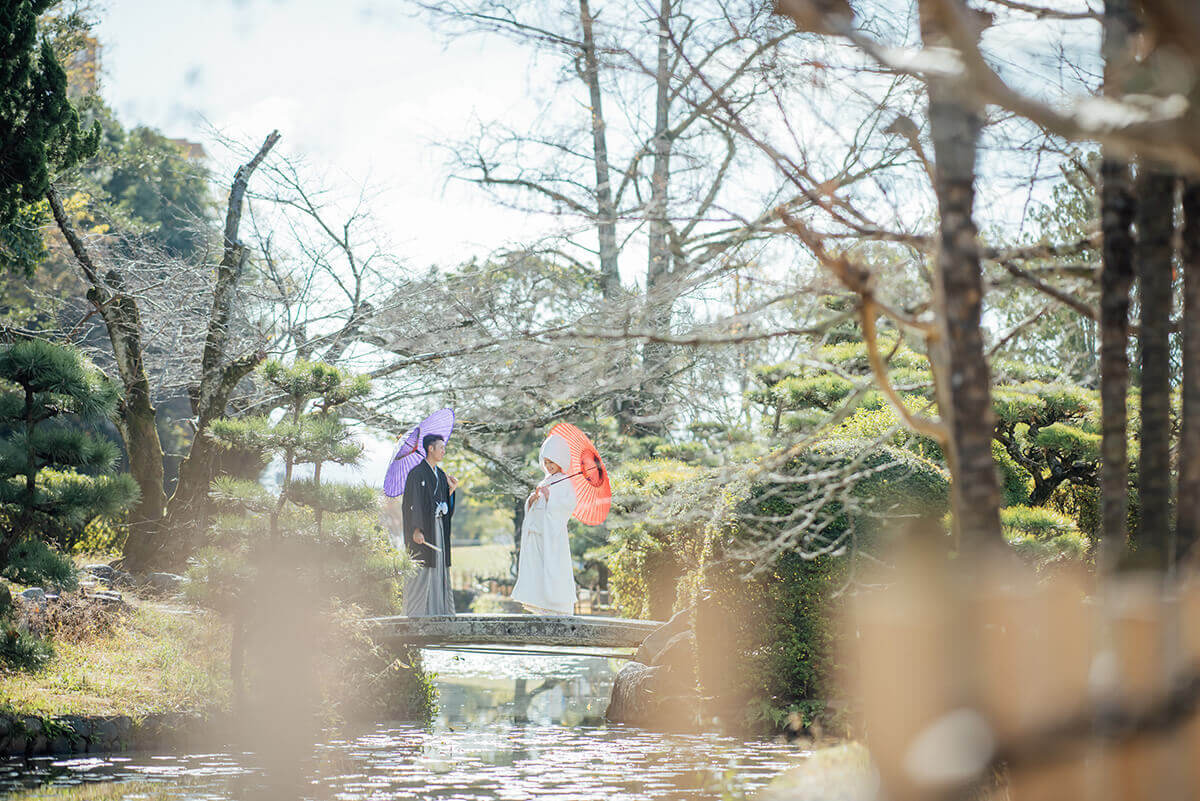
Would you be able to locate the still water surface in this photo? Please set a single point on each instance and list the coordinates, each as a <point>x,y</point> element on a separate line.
<point>508,727</point>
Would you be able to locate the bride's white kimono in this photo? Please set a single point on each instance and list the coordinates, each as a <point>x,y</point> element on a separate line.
<point>545,575</point>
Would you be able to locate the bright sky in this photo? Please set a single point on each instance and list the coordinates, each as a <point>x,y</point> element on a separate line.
<point>361,90</point>
<point>369,95</point>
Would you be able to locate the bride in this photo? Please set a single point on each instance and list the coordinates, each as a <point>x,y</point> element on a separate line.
<point>545,576</point>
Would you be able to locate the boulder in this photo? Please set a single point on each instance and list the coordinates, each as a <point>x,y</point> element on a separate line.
<point>36,740</point>
<point>164,583</point>
<point>679,655</point>
<point>653,698</point>
<point>34,595</point>
<point>111,599</point>
<point>103,572</point>
<point>680,621</point>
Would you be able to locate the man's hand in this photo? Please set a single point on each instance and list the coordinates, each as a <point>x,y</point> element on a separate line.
<point>418,537</point>
<point>452,482</point>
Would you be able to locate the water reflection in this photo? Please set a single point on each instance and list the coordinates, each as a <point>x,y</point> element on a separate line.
<point>509,727</point>
<point>519,687</point>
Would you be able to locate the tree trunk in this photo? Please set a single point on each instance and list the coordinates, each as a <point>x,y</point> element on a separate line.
<point>1154,252</point>
<point>954,128</point>
<point>518,523</point>
<point>186,512</point>
<point>137,425</point>
<point>648,414</point>
<point>1116,278</point>
<point>1188,525</point>
<point>606,211</point>
<point>153,516</point>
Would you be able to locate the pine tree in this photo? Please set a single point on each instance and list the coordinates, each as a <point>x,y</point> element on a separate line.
<point>55,476</point>
<point>39,129</point>
<point>281,557</point>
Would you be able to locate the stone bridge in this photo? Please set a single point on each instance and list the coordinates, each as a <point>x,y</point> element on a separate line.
<point>516,630</point>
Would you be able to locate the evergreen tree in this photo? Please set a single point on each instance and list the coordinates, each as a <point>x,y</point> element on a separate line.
<point>1045,441</point>
<point>39,129</point>
<point>284,561</point>
<point>54,476</point>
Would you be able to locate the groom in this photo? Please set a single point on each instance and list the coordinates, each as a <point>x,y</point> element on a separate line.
<point>428,506</point>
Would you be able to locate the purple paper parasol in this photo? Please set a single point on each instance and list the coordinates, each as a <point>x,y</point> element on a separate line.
<point>409,451</point>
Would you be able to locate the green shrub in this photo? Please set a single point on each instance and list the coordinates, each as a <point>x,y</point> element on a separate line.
<point>362,679</point>
<point>764,629</point>
<point>1015,480</point>
<point>688,452</point>
<point>32,561</point>
<point>655,509</point>
<point>764,638</point>
<point>102,536</point>
<point>21,651</point>
<point>1042,536</point>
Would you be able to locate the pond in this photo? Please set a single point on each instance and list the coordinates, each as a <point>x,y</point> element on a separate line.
<point>509,726</point>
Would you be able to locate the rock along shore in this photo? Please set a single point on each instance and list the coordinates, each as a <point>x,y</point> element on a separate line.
<point>28,735</point>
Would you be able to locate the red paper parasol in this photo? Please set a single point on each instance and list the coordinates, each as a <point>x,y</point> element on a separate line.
<point>588,476</point>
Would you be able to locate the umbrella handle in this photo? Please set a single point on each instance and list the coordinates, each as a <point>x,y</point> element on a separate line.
<point>564,478</point>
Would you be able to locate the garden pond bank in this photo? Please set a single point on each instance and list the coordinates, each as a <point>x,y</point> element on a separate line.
<point>508,726</point>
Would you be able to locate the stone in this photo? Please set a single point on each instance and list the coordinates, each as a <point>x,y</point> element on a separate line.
<point>81,726</point>
<point>110,599</point>
<point>164,583</point>
<point>123,579</point>
<point>105,735</point>
<point>102,572</point>
<point>6,599</point>
<point>628,689</point>
<point>679,655</point>
<point>35,595</point>
<point>648,650</point>
<point>524,629</point>
<point>35,738</point>
<point>652,698</point>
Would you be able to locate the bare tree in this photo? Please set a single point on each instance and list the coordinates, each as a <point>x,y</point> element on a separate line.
<point>122,315</point>
<point>670,180</point>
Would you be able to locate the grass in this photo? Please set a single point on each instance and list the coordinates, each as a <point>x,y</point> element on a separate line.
<point>101,791</point>
<point>482,560</point>
<point>158,659</point>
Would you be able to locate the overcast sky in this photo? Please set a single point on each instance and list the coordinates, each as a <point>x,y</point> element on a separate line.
<point>369,95</point>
